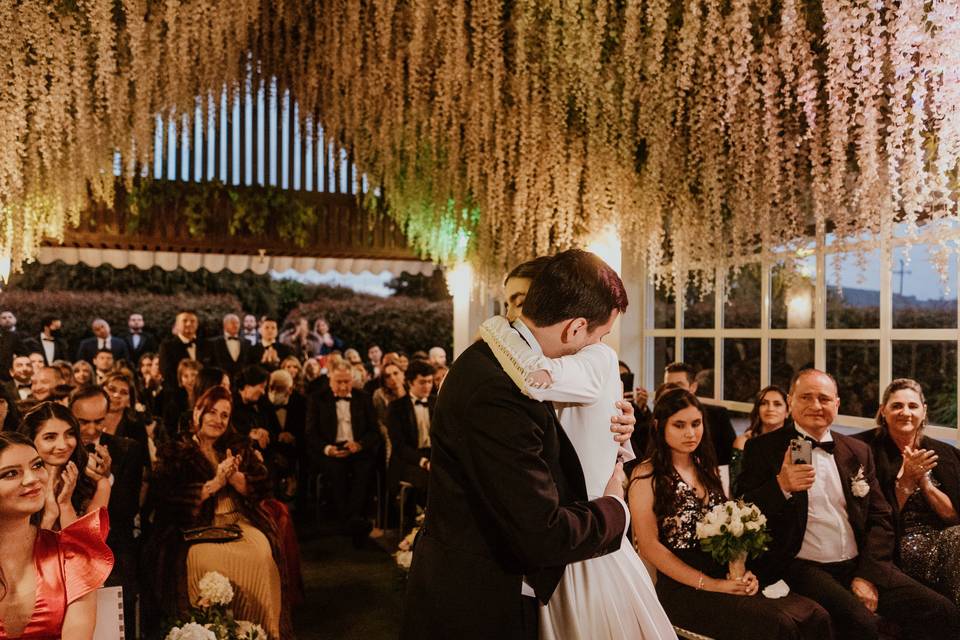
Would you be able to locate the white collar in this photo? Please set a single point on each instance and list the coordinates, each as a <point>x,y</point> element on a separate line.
<point>827,437</point>
<point>524,331</point>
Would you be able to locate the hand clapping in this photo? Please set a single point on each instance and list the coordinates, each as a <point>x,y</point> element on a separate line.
<point>916,463</point>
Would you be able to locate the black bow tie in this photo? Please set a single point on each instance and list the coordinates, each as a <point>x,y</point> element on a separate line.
<point>422,403</point>
<point>826,446</point>
<point>46,339</point>
<point>232,338</point>
<point>192,343</point>
<point>23,386</point>
<point>343,398</point>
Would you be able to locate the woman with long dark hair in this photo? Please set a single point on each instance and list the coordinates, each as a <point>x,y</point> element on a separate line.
<point>74,489</point>
<point>48,579</point>
<point>668,494</point>
<point>771,411</point>
<point>211,476</point>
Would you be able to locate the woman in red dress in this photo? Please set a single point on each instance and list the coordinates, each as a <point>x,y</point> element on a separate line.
<point>48,579</point>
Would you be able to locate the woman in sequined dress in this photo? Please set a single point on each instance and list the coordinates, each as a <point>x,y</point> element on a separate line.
<point>920,478</point>
<point>668,494</point>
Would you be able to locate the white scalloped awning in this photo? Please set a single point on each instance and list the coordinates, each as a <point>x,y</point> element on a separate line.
<point>235,263</point>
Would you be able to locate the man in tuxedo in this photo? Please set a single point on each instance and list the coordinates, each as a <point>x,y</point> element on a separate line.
<point>717,417</point>
<point>21,374</point>
<point>102,340</point>
<point>228,351</point>
<point>48,343</point>
<point>507,507</point>
<point>268,353</point>
<point>249,331</point>
<point>288,418</point>
<point>343,438</point>
<point>102,365</point>
<point>89,406</point>
<point>183,345</point>
<point>374,356</point>
<point>832,530</point>
<point>137,340</point>
<point>408,423</point>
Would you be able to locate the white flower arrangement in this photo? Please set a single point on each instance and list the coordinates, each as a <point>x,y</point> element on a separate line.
<point>732,531</point>
<point>859,486</point>
<point>191,631</point>
<point>211,619</point>
<point>215,588</point>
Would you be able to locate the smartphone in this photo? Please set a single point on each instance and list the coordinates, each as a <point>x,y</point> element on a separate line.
<point>627,380</point>
<point>342,444</point>
<point>92,448</point>
<point>801,451</point>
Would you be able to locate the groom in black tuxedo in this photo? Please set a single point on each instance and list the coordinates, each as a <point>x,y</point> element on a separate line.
<point>507,508</point>
<point>831,526</point>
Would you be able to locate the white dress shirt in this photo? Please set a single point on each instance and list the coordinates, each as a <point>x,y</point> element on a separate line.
<point>103,343</point>
<point>829,536</point>
<point>233,346</point>
<point>344,422</point>
<point>135,340</point>
<point>191,348</point>
<point>49,346</point>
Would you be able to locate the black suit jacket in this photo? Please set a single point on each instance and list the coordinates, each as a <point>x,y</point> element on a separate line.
<point>322,422</point>
<point>402,427</point>
<point>255,355</point>
<point>172,351</point>
<point>506,500</point>
<point>721,431</point>
<point>888,459</point>
<point>218,355</point>
<point>128,464</point>
<point>88,349</point>
<point>869,515</point>
<point>148,343</point>
<point>34,344</point>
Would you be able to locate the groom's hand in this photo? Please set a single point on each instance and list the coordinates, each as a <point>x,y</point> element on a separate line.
<point>616,482</point>
<point>622,425</point>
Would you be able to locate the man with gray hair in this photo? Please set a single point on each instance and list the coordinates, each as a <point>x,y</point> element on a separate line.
<point>229,351</point>
<point>287,416</point>
<point>438,357</point>
<point>102,340</point>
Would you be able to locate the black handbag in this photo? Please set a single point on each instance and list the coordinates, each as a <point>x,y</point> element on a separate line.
<point>212,533</point>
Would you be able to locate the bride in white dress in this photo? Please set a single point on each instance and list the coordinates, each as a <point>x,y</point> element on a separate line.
<point>611,596</point>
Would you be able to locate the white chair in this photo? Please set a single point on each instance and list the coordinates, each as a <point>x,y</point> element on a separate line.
<point>110,623</point>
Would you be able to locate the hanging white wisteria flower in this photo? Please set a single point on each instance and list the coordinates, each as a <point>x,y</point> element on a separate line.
<point>707,133</point>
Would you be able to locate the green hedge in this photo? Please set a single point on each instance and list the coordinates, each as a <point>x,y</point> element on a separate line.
<point>397,323</point>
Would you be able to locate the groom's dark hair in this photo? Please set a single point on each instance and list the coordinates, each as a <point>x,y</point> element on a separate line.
<point>574,284</point>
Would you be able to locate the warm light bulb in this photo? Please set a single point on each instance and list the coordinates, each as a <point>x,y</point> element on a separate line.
<point>606,244</point>
<point>460,280</point>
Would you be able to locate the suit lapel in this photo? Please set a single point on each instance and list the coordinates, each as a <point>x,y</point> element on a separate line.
<point>847,465</point>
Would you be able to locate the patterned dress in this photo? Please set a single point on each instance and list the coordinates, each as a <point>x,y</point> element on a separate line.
<point>722,615</point>
<point>929,551</point>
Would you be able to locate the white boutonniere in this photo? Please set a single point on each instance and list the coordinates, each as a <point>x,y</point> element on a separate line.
<point>859,485</point>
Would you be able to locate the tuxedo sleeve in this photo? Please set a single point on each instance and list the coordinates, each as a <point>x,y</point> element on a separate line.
<point>503,461</point>
<point>316,442</point>
<point>876,555</point>
<point>402,449</point>
<point>758,478</point>
<point>371,432</point>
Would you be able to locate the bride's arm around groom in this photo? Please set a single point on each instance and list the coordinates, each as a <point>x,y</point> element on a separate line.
<point>507,506</point>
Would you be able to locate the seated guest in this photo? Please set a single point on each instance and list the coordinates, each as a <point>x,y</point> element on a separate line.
<point>374,356</point>
<point>44,382</point>
<point>304,343</point>
<point>138,341</point>
<point>408,422</point>
<point>669,493</point>
<point>769,413</point>
<point>343,437</point>
<point>392,387</point>
<point>8,414</point>
<point>249,331</point>
<point>833,534</point>
<point>920,478</point>
<point>287,416</point>
<point>268,353</point>
<point>294,367</point>
<point>250,407</point>
<point>36,360</point>
<point>49,578</point>
<point>182,345</point>
<point>374,383</point>
<point>102,340</point>
<point>128,460</point>
<point>179,400</point>
<point>439,374</point>
<point>61,394</point>
<point>123,419</point>
<point>77,480</point>
<point>83,373</point>
<point>149,382</point>
<point>314,378</point>
<point>717,417</point>
<point>66,370</point>
<point>102,365</point>
<point>328,342</point>
<point>437,356</point>
<point>212,476</point>
<point>228,351</point>
<point>21,373</point>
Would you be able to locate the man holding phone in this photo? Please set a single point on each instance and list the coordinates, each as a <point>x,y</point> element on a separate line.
<point>832,529</point>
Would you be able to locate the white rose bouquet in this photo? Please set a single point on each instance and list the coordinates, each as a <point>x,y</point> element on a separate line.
<point>211,618</point>
<point>732,531</point>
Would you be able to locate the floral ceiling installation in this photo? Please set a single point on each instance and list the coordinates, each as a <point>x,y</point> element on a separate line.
<point>704,131</point>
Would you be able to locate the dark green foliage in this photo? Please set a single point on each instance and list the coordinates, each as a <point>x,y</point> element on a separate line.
<point>432,287</point>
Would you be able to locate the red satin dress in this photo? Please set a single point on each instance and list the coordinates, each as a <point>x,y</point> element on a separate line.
<point>70,564</point>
